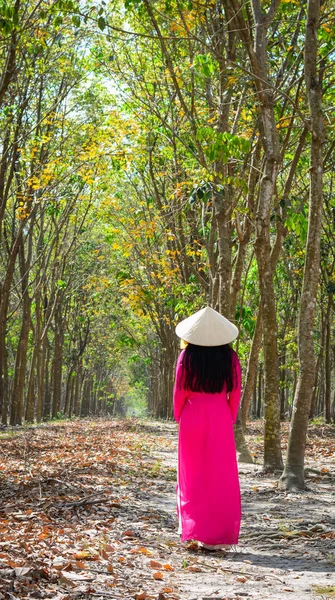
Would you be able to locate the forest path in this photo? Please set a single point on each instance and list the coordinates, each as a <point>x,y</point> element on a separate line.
<point>287,543</point>
<point>88,511</point>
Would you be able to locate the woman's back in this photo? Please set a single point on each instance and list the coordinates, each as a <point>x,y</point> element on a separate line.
<point>206,398</point>
<point>184,396</point>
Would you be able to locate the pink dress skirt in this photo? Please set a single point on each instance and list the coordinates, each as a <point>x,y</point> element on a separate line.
<point>208,490</point>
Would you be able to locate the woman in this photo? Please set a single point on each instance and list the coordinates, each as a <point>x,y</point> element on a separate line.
<point>206,399</point>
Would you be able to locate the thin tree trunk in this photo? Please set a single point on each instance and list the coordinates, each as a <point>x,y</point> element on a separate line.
<point>4,304</point>
<point>327,365</point>
<point>260,391</point>
<point>48,383</point>
<point>93,403</point>
<point>223,218</point>
<point>9,70</point>
<point>72,392</point>
<point>272,449</point>
<point>251,375</point>
<point>244,455</point>
<point>57,361</point>
<point>16,413</point>
<point>282,384</point>
<point>30,402</point>
<point>41,384</point>
<point>85,398</point>
<point>4,378</point>
<point>67,402</point>
<point>257,51</point>
<point>77,392</point>
<point>293,476</point>
<point>254,399</point>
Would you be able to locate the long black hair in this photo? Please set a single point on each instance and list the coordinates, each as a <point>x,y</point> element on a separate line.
<point>208,368</point>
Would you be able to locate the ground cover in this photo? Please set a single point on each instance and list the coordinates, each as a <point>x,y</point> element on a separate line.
<point>88,511</point>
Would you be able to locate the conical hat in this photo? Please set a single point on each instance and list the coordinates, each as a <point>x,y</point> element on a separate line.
<point>207,328</point>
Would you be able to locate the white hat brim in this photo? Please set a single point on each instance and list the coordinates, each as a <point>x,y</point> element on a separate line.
<point>207,328</point>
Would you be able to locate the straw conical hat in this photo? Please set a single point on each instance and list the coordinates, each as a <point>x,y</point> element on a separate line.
<point>207,328</point>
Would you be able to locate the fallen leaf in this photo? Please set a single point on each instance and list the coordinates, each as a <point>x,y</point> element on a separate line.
<point>73,576</point>
<point>154,564</point>
<point>129,533</point>
<point>141,596</point>
<point>22,571</point>
<point>140,550</point>
<point>158,575</point>
<point>84,555</point>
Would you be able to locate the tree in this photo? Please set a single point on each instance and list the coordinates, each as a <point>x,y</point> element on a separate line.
<point>293,475</point>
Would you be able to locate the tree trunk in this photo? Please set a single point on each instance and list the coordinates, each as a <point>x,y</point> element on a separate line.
<point>85,403</point>
<point>248,391</point>
<point>293,476</point>
<point>244,455</point>
<point>257,51</point>
<point>57,362</point>
<point>4,380</point>
<point>30,402</point>
<point>251,375</point>
<point>260,392</point>
<point>254,400</point>
<point>77,391</point>
<point>328,365</point>
<point>48,383</point>
<point>282,384</point>
<point>272,449</point>
<point>16,413</point>
<point>41,363</point>
<point>224,233</point>
<point>72,392</point>
<point>4,303</point>
<point>93,402</point>
<point>67,402</point>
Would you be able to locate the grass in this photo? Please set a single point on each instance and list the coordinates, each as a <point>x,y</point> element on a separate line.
<point>328,590</point>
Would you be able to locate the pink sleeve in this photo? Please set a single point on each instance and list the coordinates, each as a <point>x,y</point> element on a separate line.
<point>179,393</point>
<point>235,394</point>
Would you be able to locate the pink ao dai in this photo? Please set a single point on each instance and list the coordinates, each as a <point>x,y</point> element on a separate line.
<point>208,491</point>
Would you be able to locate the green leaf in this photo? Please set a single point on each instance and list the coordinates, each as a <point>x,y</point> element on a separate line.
<point>60,284</point>
<point>102,23</point>
<point>58,20</point>
<point>204,64</point>
<point>76,20</point>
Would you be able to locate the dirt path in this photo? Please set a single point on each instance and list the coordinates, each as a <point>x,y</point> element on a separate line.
<point>87,510</point>
<point>287,544</point>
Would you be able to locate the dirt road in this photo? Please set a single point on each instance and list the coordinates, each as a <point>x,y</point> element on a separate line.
<point>88,511</point>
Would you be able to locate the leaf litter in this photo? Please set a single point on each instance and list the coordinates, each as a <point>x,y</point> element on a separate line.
<point>88,511</point>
